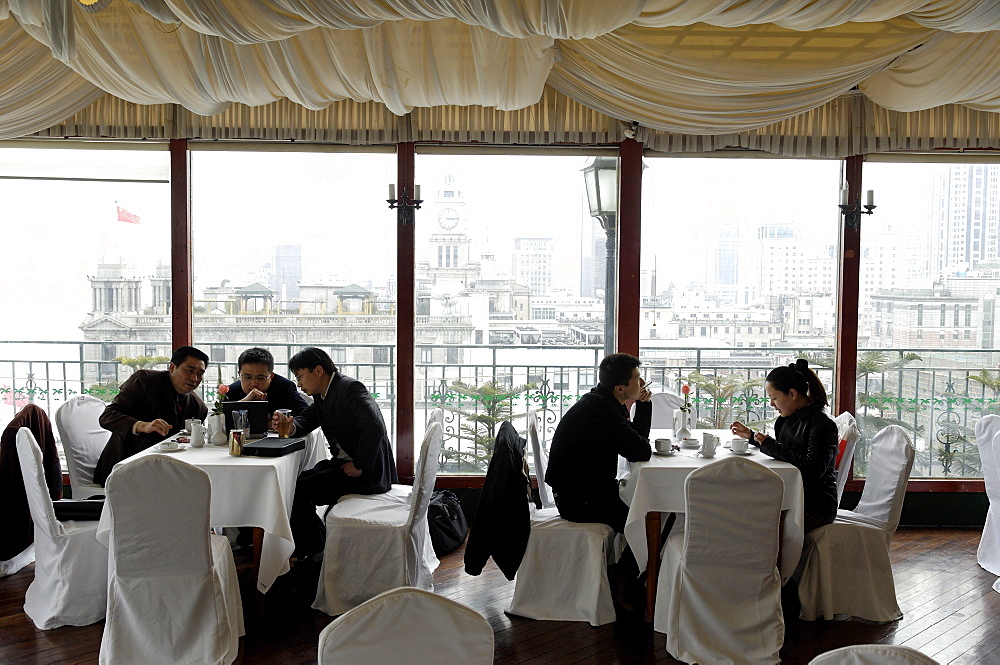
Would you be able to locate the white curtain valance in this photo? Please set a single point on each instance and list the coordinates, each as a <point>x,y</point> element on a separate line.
<point>695,67</point>
<point>850,125</point>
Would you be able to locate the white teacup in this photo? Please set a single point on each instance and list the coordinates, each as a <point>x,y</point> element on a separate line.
<point>740,445</point>
<point>190,423</point>
<point>663,445</point>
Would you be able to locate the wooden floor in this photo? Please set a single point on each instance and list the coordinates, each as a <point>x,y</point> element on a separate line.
<point>950,613</point>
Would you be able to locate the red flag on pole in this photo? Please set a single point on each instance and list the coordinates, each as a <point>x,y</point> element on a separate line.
<point>125,216</point>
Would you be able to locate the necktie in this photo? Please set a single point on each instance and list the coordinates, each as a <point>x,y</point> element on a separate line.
<point>179,412</point>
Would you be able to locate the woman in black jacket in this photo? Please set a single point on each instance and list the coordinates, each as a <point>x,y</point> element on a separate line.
<point>804,436</point>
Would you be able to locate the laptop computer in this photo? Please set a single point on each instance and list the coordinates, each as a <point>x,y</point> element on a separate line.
<point>272,446</point>
<point>258,413</point>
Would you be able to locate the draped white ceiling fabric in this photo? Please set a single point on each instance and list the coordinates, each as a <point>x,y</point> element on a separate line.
<point>696,67</point>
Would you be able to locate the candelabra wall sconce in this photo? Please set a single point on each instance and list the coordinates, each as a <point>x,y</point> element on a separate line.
<point>404,201</point>
<point>852,211</point>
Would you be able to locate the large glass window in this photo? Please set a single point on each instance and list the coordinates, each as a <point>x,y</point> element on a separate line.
<point>88,237</point>
<point>752,245</point>
<point>510,295</point>
<point>920,255</point>
<point>296,249</point>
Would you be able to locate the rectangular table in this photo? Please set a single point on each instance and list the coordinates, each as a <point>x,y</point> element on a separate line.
<point>248,491</point>
<point>657,486</point>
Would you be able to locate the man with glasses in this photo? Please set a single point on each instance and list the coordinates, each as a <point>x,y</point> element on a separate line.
<point>583,460</point>
<point>362,461</point>
<point>258,382</point>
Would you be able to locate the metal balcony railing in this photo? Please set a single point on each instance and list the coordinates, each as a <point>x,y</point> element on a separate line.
<point>936,394</point>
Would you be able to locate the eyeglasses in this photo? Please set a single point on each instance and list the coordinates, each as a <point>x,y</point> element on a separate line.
<point>259,378</point>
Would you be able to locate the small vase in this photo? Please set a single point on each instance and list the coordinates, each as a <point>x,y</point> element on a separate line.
<point>217,423</point>
<point>681,430</point>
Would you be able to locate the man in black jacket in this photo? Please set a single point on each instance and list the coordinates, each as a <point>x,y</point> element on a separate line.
<point>583,461</point>
<point>258,382</point>
<point>362,461</point>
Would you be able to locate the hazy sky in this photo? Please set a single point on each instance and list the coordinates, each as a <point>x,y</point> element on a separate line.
<point>333,204</point>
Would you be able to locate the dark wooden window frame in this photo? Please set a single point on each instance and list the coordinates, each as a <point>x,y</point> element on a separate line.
<point>630,229</point>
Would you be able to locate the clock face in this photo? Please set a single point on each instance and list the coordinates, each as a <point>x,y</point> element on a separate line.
<point>448,218</point>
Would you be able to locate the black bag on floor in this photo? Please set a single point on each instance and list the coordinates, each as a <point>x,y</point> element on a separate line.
<point>447,522</point>
<point>78,509</point>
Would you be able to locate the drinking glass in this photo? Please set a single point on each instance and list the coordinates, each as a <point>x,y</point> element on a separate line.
<point>284,424</point>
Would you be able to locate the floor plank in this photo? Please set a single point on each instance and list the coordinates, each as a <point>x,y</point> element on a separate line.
<point>950,612</point>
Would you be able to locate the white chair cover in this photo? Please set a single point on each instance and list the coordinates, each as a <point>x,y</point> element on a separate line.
<point>719,591</point>
<point>848,436</point>
<point>885,486</point>
<point>71,568</point>
<point>436,416</point>
<point>173,595</point>
<point>564,573</point>
<point>407,625</point>
<point>83,440</point>
<point>382,541</point>
<point>16,563</point>
<point>988,440</point>
<point>845,571</point>
<point>664,405</point>
<point>541,460</point>
<point>873,654</point>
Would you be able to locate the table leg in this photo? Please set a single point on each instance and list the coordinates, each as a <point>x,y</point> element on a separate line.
<point>258,546</point>
<point>653,525</point>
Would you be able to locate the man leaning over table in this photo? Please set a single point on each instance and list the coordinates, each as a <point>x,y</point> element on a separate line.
<point>583,460</point>
<point>258,382</point>
<point>150,406</point>
<point>362,461</point>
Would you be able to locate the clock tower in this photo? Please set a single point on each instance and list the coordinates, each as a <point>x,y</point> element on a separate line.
<point>449,247</point>
<point>448,207</point>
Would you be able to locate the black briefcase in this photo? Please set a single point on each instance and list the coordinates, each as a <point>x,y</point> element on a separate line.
<point>272,446</point>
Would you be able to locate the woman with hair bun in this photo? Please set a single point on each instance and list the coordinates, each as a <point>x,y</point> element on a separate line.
<point>804,436</point>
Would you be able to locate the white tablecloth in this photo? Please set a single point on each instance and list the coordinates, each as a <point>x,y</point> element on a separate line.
<point>658,485</point>
<point>246,491</point>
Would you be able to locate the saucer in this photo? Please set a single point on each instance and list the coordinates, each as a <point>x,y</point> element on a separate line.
<point>172,449</point>
<point>733,452</point>
<point>665,453</point>
<point>691,443</point>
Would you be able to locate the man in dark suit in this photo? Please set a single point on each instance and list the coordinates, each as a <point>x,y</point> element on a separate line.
<point>583,462</point>
<point>258,382</point>
<point>359,445</point>
<point>150,406</point>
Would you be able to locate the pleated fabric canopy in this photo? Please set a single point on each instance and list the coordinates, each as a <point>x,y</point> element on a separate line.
<point>685,67</point>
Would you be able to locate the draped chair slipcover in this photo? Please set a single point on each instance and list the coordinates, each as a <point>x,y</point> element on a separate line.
<point>379,542</point>
<point>83,440</point>
<point>873,654</point>
<point>71,567</point>
<point>173,594</point>
<point>407,625</point>
<point>988,440</point>
<point>845,570</point>
<point>889,467</point>
<point>564,573</point>
<point>718,595</point>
